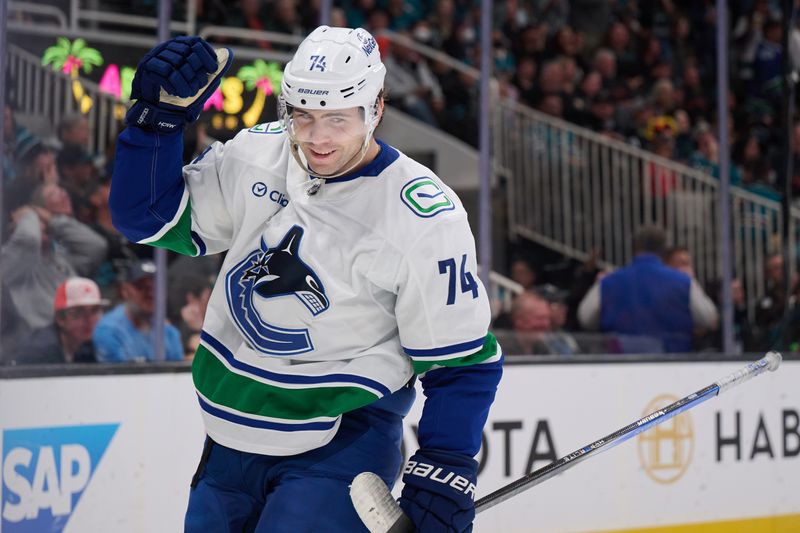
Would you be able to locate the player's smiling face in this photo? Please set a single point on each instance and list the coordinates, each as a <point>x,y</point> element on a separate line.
<point>330,139</point>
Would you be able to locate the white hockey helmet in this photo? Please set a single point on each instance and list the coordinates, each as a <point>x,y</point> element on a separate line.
<point>333,68</point>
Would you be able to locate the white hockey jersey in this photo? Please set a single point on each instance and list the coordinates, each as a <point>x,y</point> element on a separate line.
<point>325,302</point>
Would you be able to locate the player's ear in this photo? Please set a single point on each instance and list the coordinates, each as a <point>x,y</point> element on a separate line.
<point>379,106</point>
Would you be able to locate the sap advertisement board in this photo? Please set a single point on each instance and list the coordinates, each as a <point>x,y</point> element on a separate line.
<point>116,453</point>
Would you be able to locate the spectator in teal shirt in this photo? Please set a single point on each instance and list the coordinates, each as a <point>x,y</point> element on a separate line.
<point>125,334</point>
<point>706,158</point>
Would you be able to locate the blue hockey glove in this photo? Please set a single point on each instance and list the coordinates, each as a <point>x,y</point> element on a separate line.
<point>439,491</point>
<point>173,81</point>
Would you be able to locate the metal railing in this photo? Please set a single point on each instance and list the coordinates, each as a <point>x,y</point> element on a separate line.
<point>502,291</point>
<point>577,191</point>
<point>49,95</point>
<point>251,39</point>
<point>569,188</point>
<point>39,10</point>
<point>432,54</point>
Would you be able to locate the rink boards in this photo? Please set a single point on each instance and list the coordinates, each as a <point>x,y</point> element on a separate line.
<point>116,452</point>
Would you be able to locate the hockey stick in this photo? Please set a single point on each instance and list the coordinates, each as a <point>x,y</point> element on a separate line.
<point>381,514</point>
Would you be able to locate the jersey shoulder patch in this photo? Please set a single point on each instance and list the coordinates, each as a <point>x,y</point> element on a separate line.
<point>425,197</point>
<point>268,128</point>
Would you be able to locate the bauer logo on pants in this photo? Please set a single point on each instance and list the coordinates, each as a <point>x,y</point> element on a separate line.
<point>45,472</point>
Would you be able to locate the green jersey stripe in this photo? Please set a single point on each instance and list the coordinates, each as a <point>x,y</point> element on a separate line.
<point>488,350</point>
<point>220,385</point>
<point>179,237</point>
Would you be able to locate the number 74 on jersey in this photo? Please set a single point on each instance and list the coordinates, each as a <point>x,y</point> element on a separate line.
<point>466,279</point>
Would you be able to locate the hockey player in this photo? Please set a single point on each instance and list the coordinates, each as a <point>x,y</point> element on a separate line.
<point>350,269</point>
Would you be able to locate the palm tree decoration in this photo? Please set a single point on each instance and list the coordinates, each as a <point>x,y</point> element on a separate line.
<point>265,79</point>
<point>70,58</point>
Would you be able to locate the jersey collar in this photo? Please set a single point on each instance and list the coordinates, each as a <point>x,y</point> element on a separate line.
<point>385,157</point>
<point>647,258</point>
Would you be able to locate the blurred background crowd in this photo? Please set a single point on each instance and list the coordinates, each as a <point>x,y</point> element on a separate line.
<point>642,72</point>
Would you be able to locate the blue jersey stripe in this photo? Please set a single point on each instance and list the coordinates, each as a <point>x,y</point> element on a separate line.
<point>446,350</point>
<point>199,242</point>
<point>288,378</point>
<point>263,424</point>
<point>385,157</point>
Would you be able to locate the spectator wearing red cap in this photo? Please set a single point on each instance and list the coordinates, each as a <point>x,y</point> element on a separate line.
<point>77,306</point>
<point>47,245</point>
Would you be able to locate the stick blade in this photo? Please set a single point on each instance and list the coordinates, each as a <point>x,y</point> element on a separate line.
<point>376,507</point>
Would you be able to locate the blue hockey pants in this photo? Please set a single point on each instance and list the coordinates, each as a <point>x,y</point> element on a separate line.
<point>239,492</point>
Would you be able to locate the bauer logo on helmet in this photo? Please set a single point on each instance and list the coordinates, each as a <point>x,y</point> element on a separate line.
<point>314,92</point>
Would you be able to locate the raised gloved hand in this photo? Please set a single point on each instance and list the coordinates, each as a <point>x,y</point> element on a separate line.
<point>173,81</point>
<point>439,491</point>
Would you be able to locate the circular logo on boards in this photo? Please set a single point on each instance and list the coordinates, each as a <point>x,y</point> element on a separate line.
<point>666,450</point>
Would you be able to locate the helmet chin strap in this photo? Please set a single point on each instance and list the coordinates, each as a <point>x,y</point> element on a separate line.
<point>319,179</point>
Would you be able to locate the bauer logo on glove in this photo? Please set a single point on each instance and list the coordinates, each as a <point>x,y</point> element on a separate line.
<point>439,491</point>
<point>440,475</point>
<point>173,82</point>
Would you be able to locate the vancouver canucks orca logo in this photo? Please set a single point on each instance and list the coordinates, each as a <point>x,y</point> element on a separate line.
<point>274,273</point>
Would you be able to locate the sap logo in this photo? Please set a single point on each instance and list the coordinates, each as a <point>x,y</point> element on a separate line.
<point>45,472</point>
